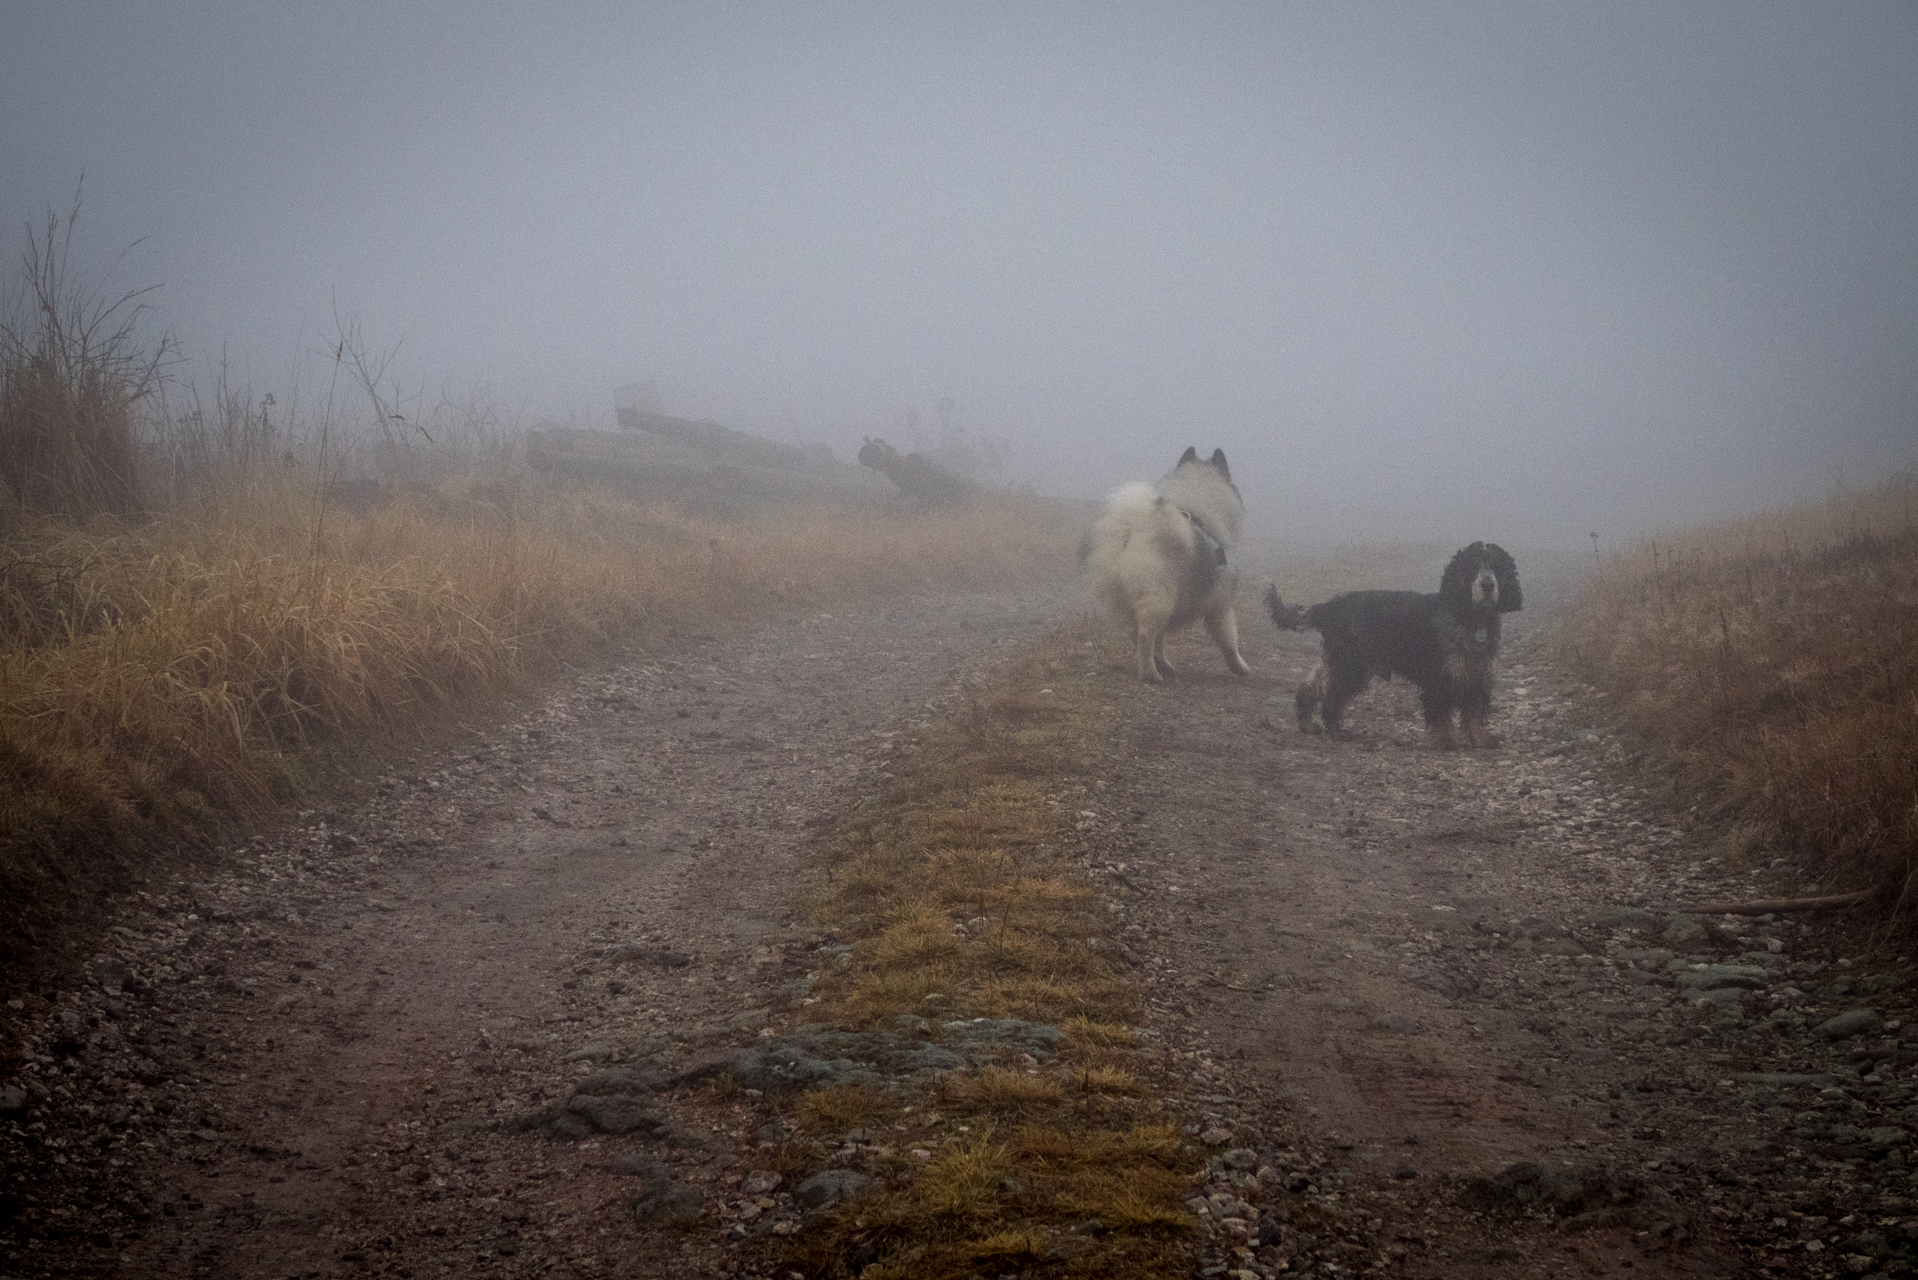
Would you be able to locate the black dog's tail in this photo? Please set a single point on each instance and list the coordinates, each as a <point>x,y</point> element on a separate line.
<point>1287,617</point>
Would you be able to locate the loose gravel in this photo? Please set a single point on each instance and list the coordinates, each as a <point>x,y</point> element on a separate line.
<point>1430,1014</point>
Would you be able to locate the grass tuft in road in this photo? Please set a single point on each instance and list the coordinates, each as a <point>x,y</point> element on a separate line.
<point>960,888</point>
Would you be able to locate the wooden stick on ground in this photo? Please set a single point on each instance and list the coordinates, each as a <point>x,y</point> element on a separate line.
<point>1776,904</point>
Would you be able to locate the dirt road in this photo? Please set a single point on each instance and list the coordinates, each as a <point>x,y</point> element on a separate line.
<point>1416,969</point>
<point>1387,969</point>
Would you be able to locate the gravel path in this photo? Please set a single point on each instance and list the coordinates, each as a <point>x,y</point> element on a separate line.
<point>324,1062</point>
<point>1381,973</point>
<point>1397,970</point>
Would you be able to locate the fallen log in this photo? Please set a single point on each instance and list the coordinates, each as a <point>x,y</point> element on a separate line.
<point>1772,905</point>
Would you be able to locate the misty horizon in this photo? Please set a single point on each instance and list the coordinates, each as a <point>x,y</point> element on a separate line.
<point>1495,271</point>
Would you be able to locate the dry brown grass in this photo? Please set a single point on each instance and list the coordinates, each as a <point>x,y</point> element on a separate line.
<point>838,1108</point>
<point>1080,1204</point>
<point>1773,664</point>
<point>960,888</point>
<point>1003,1091</point>
<point>157,679</point>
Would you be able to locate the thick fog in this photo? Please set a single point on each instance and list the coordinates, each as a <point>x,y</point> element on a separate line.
<point>1517,271</point>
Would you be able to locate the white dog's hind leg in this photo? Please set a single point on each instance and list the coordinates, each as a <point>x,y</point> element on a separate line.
<point>1308,700</point>
<point>1149,641</point>
<point>1223,626</point>
<point>1159,659</point>
<point>1145,652</point>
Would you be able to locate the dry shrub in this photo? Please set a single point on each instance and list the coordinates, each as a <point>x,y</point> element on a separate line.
<point>992,1202</point>
<point>919,936</point>
<point>1774,663</point>
<point>1108,1080</point>
<point>1102,1035</point>
<point>838,1108</point>
<point>962,1185</point>
<point>1001,1091</point>
<point>1010,1248</point>
<point>72,366</point>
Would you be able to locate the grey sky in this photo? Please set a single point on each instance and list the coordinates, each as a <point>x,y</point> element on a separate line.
<point>1445,271</point>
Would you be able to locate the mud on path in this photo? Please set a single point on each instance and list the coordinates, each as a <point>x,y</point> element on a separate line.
<point>1383,969</point>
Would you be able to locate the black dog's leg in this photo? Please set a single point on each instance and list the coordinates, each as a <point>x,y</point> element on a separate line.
<point>1475,708</point>
<point>1344,685</point>
<point>1439,701</point>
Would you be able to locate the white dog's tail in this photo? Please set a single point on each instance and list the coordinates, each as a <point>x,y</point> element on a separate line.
<point>1132,495</point>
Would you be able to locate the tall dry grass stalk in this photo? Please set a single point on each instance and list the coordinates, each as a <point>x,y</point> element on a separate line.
<point>154,680</point>
<point>1774,662</point>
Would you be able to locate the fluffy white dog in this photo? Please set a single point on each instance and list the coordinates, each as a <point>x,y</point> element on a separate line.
<point>1157,557</point>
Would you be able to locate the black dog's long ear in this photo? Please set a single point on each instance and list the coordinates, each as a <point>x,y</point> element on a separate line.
<point>1218,464</point>
<point>1191,454</point>
<point>1455,586</point>
<point>1505,569</point>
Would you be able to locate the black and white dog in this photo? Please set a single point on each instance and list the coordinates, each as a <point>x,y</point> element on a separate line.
<point>1446,644</point>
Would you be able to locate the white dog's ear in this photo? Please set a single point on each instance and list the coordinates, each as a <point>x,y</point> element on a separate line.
<point>1191,454</point>
<point>1218,463</point>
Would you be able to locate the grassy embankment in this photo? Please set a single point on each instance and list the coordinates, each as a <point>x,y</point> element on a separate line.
<point>1771,667</point>
<point>158,679</point>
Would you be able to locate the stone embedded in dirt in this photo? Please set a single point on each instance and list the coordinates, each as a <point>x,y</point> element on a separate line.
<point>111,973</point>
<point>750,1019</point>
<point>640,1165</point>
<point>454,1130</point>
<point>1720,998</point>
<point>640,953</point>
<point>1685,933</point>
<point>831,1186</point>
<point>615,1080</point>
<point>567,1127</point>
<point>616,1114</point>
<point>1712,977</point>
<point>665,1199</point>
<point>759,1182</point>
<point>592,1053</point>
<point>1620,918</point>
<point>1853,1022</point>
<point>818,1056</point>
<point>1584,1198</point>
<point>1783,1078</point>
<point>1216,1137</point>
